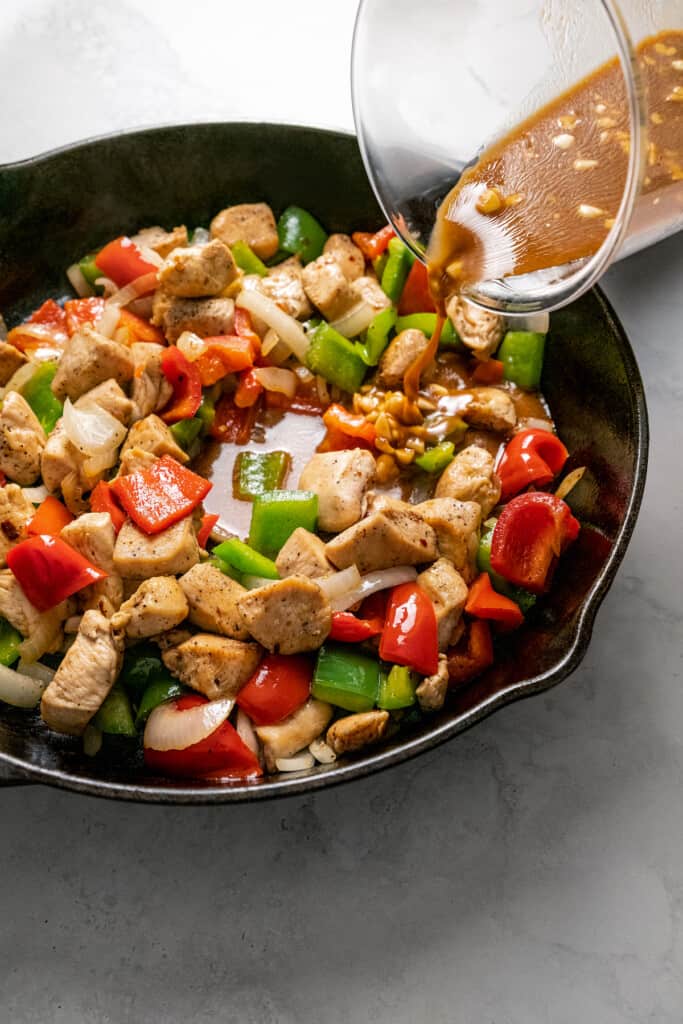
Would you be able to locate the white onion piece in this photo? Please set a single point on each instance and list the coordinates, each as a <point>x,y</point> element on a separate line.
<point>273,378</point>
<point>143,307</point>
<point>110,287</point>
<point>150,255</point>
<point>299,763</point>
<point>374,581</point>
<point>201,236</point>
<point>35,670</point>
<point>533,423</point>
<point>322,751</point>
<point>18,689</point>
<point>92,740</point>
<point>304,374</point>
<point>19,378</point>
<point>78,281</point>
<point>191,345</point>
<point>92,429</point>
<point>44,634</point>
<point>170,729</point>
<point>570,482</point>
<point>140,286</point>
<point>108,321</point>
<point>539,323</point>
<point>35,494</point>
<point>290,330</point>
<point>245,731</point>
<point>3,328</point>
<point>270,341</point>
<point>356,320</point>
<point>221,531</point>
<point>338,585</point>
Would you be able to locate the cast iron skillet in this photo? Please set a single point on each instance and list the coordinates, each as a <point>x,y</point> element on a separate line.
<point>58,206</point>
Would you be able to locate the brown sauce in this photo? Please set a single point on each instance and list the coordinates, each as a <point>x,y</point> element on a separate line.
<point>548,192</point>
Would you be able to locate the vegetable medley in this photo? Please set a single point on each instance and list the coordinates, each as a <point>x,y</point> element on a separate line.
<point>373,574</point>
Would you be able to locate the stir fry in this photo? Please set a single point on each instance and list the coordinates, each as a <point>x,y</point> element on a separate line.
<point>249,517</point>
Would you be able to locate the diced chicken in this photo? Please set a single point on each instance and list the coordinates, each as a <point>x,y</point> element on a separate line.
<point>110,397</point>
<point>22,440</point>
<point>158,605</point>
<point>431,693</point>
<point>10,361</point>
<point>214,665</point>
<point>382,540</point>
<point>370,290</point>
<point>471,477</point>
<point>134,459</point>
<point>85,676</point>
<point>480,330</point>
<point>16,512</point>
<point>287,616</point>
<point>59,459</point>
<point>490,409</point>
<point>93,536</point>
<point>456,524</point>
<point>294,733</point>
<point>327,287</point>
<point>198,271</point>
<point>25,617</point>
<point>106,595</point>
<point>285,286</point>
<point>168,553</point>
<point>152,435</point>
<point>214,601</point>
<point>399,355</point>
<point>353,732</point>
<point>252,223</point>
<point>161,241</point>
<point>347,254</point>
<point>89,358</point>
<point>150,389</point>
<point>303,554</point>
<point>447,591</point>
<point>205,317</point>
<point>341,480</point>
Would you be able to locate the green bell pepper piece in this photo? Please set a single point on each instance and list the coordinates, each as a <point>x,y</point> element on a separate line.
<point>435,460</point>
<point>186,432</point>
<point>396,269</point>
<point>115,715</point>
<point>346,678</point>
<point>90,270</point>
<point>257,472</point>
<point>379,263</point>
<point>396,688</point>
<point>426,322</point>
<point>335,358</point>
<point>247,260</point>
<point>377,336</point>
<point>521,353</point>
<point>519,595</point>
<point>245,559</point>
<point>207,410</point>
<point>155,694</point>
<point>276,515</point>
<point>142,666</point>
<point>225,568</point>
<point>38,393</point>
<point>300,234</point>
<point>10,638</point>
<point>280,256</point>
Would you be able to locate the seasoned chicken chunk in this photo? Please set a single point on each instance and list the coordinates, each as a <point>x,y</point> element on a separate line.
<point>16,512</point>
<point>152,435</point>
<point>480,330</point>
<point>287,616</point>
<point>198,270</point>
<point>10,361</point>
<point>110,397</point>
<point>471,477</point>
<point>22,440</point>
<point>431,693</point>
<point>150,389</point>
<point>384,539</point>
<point>353,732</point>
<point>400,353</point>
<point>327,287</point>
<point>347,254</point>
<point>157,605</point>
<point>59,458</point>
<point>370,290</point>
<point>294,733</point>
<point>303,554</point>
<point>85,676</point>
<point>205,317</point>
<point>447,591</point>
<point>456,524</point>
<point>490,409</point>
<point>161,241</point>
<point>134,459</point>
<point>93,536</point>
<point>285,286</point>
<point>252,223</point>
<point>341,480</point>
<point>90,359</point>
<point>214,665</point>
<point>168,553</point>
<point>214,601</point>
<point>25,617</point>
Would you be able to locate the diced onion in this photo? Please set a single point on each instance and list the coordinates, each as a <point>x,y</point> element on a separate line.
<point>290,330</point>
<point>338,585</point>
<point>322,751</point>
<point>273,378</point>
<point>299,763</point>
<point>35,494</point>
<point>372,582</point>
<point>18,689</point>
<point>92,740</point>
<point>109,321</point>
<point>570,482</point>
<point>170,729</point>
<point>110,287</point>
<point>252,582</point>
<point>19,378</point>
<point>304,374</point>
<point>92,429</point>
<point>245,731</point>
<point>35,670</point>
<point>44,634</point>
<point>150,255</point>
<point>356,320</point>
<point>533,423</point>
<point>78,282</point>
<point>221,531</point>
<point>537,322</point>
<point>201,236</point>
<point>191,345</point>
<point>140,286</point>
<point>270,341</point>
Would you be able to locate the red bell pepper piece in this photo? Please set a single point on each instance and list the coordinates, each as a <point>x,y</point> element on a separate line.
<point>485,603</point>
<point>226,354</point>
<point>50,314</point>
<point>231,423</point>
<point>530,457</point>
<point>249,390</point>
<point>349,629</point>
<point>410,635</point>
<point>122,261</point>
<point>186,381</point>
<point>51,517</point>
<point>531,533</point>
<point>139,329</point>
<point>204,532</point>
<point>489,372</point>
<point>416,296</point>
<point>337,418</point>
<point>371,245</point>
<point>49,571</point>
<point>80,312</point>
<point>472,655</point>
<point>222,754</point>
<point>102,500</point>
<point>280,685</point>
<point>3,479</point>
<point>160,494</point>
<point>244,328</point>
<point>51,334</point>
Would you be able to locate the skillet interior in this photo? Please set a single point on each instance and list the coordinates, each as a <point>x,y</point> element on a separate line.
<point>63,204</point>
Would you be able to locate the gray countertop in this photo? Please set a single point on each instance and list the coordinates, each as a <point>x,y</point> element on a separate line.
<point>529,872</point>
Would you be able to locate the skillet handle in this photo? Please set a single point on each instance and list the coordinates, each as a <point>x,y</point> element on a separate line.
<point>11,777</point>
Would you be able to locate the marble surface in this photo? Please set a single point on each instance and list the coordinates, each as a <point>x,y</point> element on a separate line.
<point>531,871</point>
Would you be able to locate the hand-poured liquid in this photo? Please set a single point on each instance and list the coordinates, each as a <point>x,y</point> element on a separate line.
<point>549,191</point>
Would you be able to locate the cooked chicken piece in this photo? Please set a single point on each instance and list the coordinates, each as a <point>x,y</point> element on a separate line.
<point>353,732</point>
<point>214,601</point>
<point>400,353</point>
<point>110,397</point>
<point>294,733</point>
<point>10,361</point>
<point>25,617</point>
<point>447,591</point>
<point>22,440</point>
<point>327,287</point>
<point>134,459</point>
<point>93,536</point>
<point>150,389</point>
<point>480,330</point>
<point>16,512</point>
<point>89,358</point>
<point>287,616</point>
<point>205,317</point>
<point>59,458</point>
<point>168,553</point>
<point>160,241</point>
<point>456,524</point>
<point>370,290</point>
<point>157,605</point>
<point>382,540</point>
<point>341,480</point>
<point>152,435</point>
<point>198,270</point>
<point>347,254</point>
<point>285,286</point>
<point>303,554</point>
<point>215,665</point>
<point>252,223</point>
<point>85,676</point>
<point>106,595</point>
<point>431,693</point>
<point>490,409</point>
<point>471,477</point>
